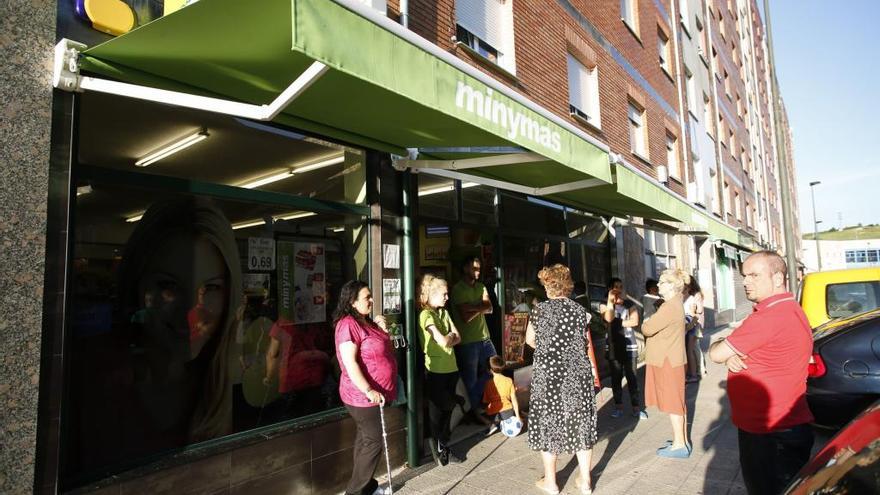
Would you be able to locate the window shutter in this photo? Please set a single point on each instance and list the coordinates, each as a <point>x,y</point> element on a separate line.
<point>577,84</point>
<point>483,18</point>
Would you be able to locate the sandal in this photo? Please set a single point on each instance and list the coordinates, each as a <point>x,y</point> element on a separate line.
<point>585,490</point>
<point>540,486</point>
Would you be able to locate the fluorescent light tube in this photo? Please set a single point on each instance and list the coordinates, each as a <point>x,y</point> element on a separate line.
<point>172,148</point>
<point>267,180</point>
<point>439,189</point>
<point>320,164</point>
<point>250,223</point>
<point>295,215</point>
<point>134,218</point>
<point>86,189</point>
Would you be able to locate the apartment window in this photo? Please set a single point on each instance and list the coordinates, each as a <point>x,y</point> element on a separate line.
<point>691,91</point>
<point>744,161</point>
<point>637,131</point>
<point>664,52</point>
<point>727,86</point>
<point>583,91</point>
<point>722,131</point>
<point>732,142</point>
<point>716,205</point>
<point>726,197</point>
<point>737,206</point>
<point>721,28</point>
<point>701,40</point>
<point>716,64</point>
<point>684,14</point>
<point>748,214</point>
<point>707,116</point>
<point>486,27</point>
<point>672,160</point>
<point>629,12</point>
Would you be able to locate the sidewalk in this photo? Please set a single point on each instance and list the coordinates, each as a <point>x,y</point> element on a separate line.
<point>624,460</point>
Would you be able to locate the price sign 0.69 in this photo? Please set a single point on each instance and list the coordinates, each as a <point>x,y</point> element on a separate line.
<point>261,254</point>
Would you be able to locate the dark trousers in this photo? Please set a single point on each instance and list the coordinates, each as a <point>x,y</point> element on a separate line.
<point>624,365</point>
<point>770,460</point>
<point>440,388</point>
<point>367,450</point>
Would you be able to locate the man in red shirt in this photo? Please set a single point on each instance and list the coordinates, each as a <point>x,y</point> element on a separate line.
<point>767,358</point>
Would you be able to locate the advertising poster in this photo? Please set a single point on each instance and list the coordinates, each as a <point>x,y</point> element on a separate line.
<point>284,263</point>
<point>309,294</point>
<point>390,296</point>
<point>261,254</point>
<point>514,337</point>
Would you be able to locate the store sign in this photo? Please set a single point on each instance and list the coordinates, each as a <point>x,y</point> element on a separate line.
<point>517,124</point>
<point>261,254</point>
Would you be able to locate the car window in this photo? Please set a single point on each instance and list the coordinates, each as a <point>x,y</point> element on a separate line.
<point>851,298</point>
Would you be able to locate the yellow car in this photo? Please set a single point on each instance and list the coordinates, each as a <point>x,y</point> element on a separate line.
<point>837,293</point>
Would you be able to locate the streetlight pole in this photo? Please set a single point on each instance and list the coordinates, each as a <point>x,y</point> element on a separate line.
<point>816,223</point>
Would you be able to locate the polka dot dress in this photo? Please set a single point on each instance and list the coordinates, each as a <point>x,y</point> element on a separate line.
<point>562,408</point>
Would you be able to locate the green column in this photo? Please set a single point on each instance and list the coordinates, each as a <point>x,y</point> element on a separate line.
<point>414,403</point>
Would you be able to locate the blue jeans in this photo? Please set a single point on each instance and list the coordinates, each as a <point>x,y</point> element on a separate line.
<point>473,365</point>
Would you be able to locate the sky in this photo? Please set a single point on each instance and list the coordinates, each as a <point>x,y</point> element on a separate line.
<point>829,73</point>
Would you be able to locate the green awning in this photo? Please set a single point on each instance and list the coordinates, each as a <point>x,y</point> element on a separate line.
<point>634,195</point>
<point>382,91</point>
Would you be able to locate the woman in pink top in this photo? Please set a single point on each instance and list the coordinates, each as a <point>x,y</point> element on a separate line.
<point>369,378</point>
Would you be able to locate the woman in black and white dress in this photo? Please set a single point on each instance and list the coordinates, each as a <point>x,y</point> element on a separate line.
<point>562,411</point>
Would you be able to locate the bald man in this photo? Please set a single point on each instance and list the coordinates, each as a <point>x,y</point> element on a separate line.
<point>766,359</point>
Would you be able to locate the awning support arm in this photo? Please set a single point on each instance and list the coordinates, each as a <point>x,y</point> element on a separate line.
<point>466,163</point>
<point>66,76</point>
<point>500,184</point>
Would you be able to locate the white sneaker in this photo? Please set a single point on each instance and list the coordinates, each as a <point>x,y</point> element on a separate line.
<point>492,429</point>
<point>382,490</point>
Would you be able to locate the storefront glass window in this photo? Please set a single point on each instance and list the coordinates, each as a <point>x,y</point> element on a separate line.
<point>437,197</point>
<point>478,204</point>
<point>188,324</point>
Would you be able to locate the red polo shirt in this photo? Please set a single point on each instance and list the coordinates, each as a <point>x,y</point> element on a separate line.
<point>771,394</point>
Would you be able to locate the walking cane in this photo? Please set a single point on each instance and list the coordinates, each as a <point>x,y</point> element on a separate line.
<point>385,443</point>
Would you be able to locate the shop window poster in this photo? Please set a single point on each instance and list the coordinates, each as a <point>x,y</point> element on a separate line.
<point>391,296</point>
<point>301,281</point>
<point>514,337</point>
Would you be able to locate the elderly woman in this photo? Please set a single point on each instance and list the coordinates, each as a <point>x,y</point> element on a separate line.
<point>562,416</point>
<point>665,361</point>
<point>368,380</point>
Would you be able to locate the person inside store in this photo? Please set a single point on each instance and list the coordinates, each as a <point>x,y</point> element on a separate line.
<point>693,311</point>
<point>437,337</point>
<point>665,361</point>
<point>299,355</point>
<point>368,379</point>
<point>470,304</point>
<point>562,410</point>
<point>622,316</point>
<point>149,386</point>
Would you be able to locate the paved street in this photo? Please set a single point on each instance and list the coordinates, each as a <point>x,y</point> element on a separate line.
<point>624,461</point>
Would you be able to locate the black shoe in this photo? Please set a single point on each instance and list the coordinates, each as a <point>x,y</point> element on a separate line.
<point>443,457</point>
<point>435,452</point>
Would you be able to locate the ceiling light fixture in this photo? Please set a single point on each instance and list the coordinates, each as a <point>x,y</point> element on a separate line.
<point>86,189</point>
<point>295,215</point>
<point>134,218</point>
<point>267,180</point>
<point>320,164</point>
<point>173,147</point>
<point>449,187</point>
<point>249,223</point>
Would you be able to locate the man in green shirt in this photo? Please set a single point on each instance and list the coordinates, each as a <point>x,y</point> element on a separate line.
<point>470,304</point>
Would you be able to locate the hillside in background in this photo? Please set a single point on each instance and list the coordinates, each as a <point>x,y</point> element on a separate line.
<point>848,233</point>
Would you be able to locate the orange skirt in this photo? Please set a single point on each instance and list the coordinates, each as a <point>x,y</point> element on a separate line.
<point>664,388</point>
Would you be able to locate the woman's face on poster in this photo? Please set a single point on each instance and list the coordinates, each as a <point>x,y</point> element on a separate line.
<point>186,280</point>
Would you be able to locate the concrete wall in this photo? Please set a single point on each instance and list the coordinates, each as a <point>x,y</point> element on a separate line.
<point>27,34</point>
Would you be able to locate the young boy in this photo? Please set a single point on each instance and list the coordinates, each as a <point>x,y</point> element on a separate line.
<point>499,395</point>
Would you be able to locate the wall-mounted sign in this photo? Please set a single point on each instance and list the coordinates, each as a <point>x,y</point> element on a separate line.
<point>261,254</point>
